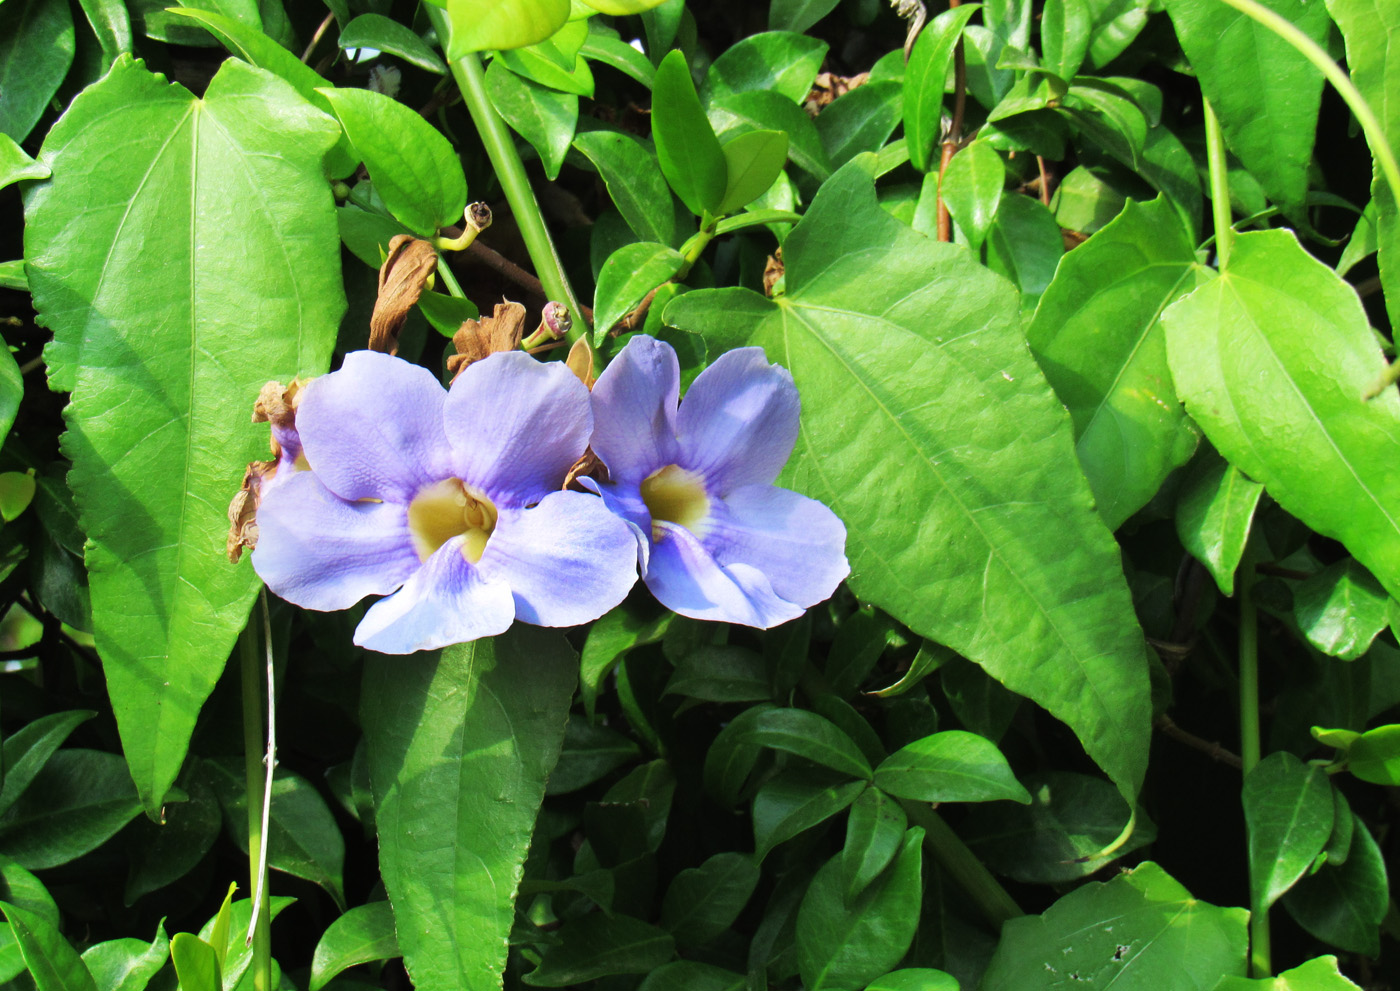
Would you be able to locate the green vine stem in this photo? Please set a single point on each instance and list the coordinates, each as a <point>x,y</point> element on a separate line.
<point>500,148</point>
<point>253,752</point>
<point>1314,53</point>
<point>1260,964</point>
<point>1219,188</point>
<point>962,865</point>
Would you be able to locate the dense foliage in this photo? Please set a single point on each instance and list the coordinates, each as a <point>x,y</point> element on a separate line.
<point>1088,304</point>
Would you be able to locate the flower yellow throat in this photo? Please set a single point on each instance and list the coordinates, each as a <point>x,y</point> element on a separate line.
<point>447,509</point>
<point>676,495</point>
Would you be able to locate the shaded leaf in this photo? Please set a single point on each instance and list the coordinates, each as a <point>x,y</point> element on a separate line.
<point>28,749</point>
<point>362,935</point>
<point>1341,609</point>
<point>874,833</point>
<point>704,901</point>
<point>1343,904</point>
<point>76,803</point>
<point>53,963</point>
<point>952,766</point>
<point>795,801</point>
<point>597,946</point>
<point>1288,812</point>
<point>127,964</point>
<point>1214,509</point>
<point>36,49</point>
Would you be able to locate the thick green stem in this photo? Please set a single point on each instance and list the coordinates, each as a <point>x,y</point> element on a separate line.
<point>500,148</point>
<point>989,897</point>
<point>1259,954</point>
<point>1314,53</point>
<point>253,752</point>
<point>1219,188</point>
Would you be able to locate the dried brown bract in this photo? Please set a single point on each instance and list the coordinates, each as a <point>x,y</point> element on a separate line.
<point>773,272</point>
<point>827,87</point>
<point>402,278</point>
<point>475,339</point>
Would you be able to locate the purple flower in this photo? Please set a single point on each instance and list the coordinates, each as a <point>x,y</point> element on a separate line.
<point>718,540</point>
<point>451,497</point>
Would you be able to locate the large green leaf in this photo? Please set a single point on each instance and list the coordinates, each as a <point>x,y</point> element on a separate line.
<point>1098,337</point>
<point>1372,32</point>
<point>1264,90</point>
<point>1141,930</point>
<point>967,517</point>
<point>1246,353</point>
<point>483,24</point>
<point>53,963</point>
<point>176,286</point>
<point>459,749</point>
<point>1288,811</point>
<point>36,49</point>
<point>843,944</point>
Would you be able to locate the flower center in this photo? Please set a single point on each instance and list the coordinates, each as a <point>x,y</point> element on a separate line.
<point>446,509</point>
<point>677,496</point>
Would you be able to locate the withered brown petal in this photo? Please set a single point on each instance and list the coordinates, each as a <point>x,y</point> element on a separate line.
<point>402,278</point>
<point>580,362</point>
<point>476,339</point>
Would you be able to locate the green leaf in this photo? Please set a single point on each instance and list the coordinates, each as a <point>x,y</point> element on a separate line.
<point>844,944</point>
<point>1265,92</point>
<point>127,964</point>
<point>1371,29</point>
<point>550,66</point>
<point>1374,756</point>
<point>1288,814</point>
<point>914,979</point>
<point>1098,337</point>
<point>1010,566</point>
<point>610,639</point>
<point>972,186</point>
<point>256,48</point>
<point>753,161</point>
<point>386,35</point>
<point>1025,246</point>
<point>732,756</point>
<point>1344,904</point>
<point>362,935</point>
<point>861,120</point>
<point>590,751</point>
<point>1214,509</point>
<point>446,313</point>
<point>795,801</point>
<point>631,272</point>
<point>1160,937</point>
<point>759,110</point>
<point>36,49</point>
<point>459,748</point>
<point>926,80</point>
<point>27,750</point>
<point>231,943</point>
<point>798,15</point>
<point>11,379</point>
<point>634,182</point>
<point>21,888</point>
<point>412,165</point>
<point>952,766</point>
<point>1116,24</point>
<point>15,164</point>
<point>544,117</point>
<point>183,180</point>
<point>720,673</point>
<point>874,832</point>
<point>481,25</point>
<point>806,734</point>
<point>303,838</point>
<point>76,803</point>
<point>1319,974</point>
<point>16,493</point>
<point>1060,837</point>
<point>782,62</point>
<point>704,901</point>
<point>620,8</point>
<point>195,962</point>
<point>53,963</point>
<point>692,975</point>
<point>1243,352</point>
<point>595,946</point>
<point>690,154</point>
<point>621,56</point>
<point>1341,609</point>
<point>111,23</point>
<point>1066,27</point>
<point>1084,202</point>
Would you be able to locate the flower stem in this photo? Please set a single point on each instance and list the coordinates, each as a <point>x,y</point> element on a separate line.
<point>500,148</point>
<point>962,864</point>
<point>1219,187</point>
<point>253,768</point>
<point>1259,955</point>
